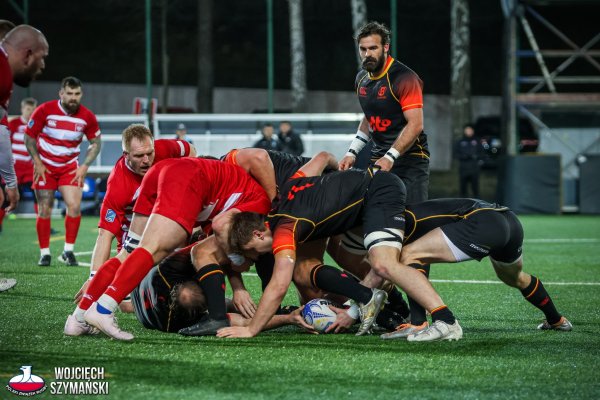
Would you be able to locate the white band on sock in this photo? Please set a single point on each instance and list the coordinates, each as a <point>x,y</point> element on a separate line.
<point>45,251</point>
<point>69,246</point>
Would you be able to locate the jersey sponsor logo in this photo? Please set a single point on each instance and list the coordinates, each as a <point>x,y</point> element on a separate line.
<point>30,123</point>
<point>52,123</point>
<point>78,128</point>
<point>362,91</point>
<point>110,215</point>
<point>295,189</point>
<point>378,124</point>
<point>381,92</point>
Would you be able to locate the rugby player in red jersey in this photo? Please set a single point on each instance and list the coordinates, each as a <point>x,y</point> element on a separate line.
<point>53,137</point>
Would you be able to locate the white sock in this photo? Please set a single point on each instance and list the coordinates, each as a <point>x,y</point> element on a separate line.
<point>78,314</point>
<point>69,246</point>
<point>45,252</point>
<point>108,302</point>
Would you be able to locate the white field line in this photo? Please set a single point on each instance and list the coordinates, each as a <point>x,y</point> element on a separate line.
<point>484,282</point>
<point>563,240</point>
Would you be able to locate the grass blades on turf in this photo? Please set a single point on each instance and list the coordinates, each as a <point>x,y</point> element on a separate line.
<point>501,356</point>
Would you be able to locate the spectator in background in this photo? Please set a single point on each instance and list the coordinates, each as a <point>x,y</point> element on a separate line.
<point>469,152</point>
<point>268,141</point>
<point>181,133</point>
<point>291,142</point>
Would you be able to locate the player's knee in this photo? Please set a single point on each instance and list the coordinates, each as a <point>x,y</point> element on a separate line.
<point>380,267</point>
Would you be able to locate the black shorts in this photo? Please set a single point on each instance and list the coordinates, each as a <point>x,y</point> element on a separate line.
<point>497,234</point>
<point>384,203</point>
<point>414,172</point>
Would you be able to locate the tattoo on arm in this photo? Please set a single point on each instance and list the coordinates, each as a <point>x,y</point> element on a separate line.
<point>31,145</point>
<point>93,151</point>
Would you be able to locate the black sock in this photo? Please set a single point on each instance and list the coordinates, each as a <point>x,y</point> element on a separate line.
<point>336,281</point>
<point>212,281</point>
<point>443,313</point>
<point>397,303</point>
<point>417,312</point>
<point>536,294</point>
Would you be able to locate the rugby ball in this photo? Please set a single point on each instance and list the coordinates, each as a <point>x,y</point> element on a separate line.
<point>318,314</point>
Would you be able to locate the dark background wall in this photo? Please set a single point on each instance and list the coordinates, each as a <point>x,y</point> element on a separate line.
<point>103,41</point>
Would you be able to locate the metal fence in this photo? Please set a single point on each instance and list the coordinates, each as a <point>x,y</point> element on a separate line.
<point>216,134</point>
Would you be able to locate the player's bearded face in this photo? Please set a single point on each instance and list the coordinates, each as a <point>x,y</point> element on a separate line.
<point>70,98</point>
<point>373,54</point>
<point>141,156</point>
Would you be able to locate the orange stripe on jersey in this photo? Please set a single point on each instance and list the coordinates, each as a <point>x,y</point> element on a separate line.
<point>411,106</point>
<point>298,174</point>
<point>388,64</point>
<point>163,278</point>
<point>231,157</point>
<point>284,237</point>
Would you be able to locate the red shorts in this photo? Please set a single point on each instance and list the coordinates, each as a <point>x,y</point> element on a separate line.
<point>178,191</point>
<point>24,171</point>
<point>55,177</point>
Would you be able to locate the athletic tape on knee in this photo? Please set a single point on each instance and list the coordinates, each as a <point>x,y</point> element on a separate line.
<point>132,241</point>
<point>353,244</point>
<point>386,237</point>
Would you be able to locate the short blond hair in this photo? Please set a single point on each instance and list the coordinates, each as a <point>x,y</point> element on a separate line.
<point>137,131</point>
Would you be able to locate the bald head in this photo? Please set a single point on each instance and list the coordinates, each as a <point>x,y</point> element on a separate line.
<point>26,47</point>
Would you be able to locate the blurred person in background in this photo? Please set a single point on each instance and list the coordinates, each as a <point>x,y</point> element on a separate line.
<point>469,152</point>
<point>181,133</point>
<point>290,141</point>
<point>268,141</point>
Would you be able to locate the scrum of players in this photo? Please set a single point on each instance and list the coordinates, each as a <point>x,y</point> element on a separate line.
<point>185,223</point>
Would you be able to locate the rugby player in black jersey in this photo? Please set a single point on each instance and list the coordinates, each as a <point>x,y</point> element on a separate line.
<point>321,206</point>
<point>391,97</point>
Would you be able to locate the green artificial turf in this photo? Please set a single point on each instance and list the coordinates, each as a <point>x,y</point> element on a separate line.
<point>501,356</point>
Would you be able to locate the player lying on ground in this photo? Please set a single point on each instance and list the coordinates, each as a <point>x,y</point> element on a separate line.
<point>174,195</point>
<point>316,207</point>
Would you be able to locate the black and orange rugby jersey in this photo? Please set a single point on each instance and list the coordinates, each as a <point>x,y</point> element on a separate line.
<point>284,164</point>
<point>317,207</point>
<point>424,217</point>
<point>383,99</point>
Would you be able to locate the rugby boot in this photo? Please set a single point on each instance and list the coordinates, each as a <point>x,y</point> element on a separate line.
<point>402,331</point>
<point>368,312</point>
<point>562,325</point>
<point>76,328</point>
<point>439,330</point>
<point>107,323</point>
<point>68,258</point>
<point>205,327</point>
<point>45,260</point>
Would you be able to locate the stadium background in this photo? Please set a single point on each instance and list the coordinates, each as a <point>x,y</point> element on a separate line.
<point>502,355</point>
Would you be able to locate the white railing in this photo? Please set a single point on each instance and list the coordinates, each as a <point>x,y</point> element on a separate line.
<point>216,134</point>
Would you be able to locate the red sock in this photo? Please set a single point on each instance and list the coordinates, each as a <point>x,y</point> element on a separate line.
<point>2,214</point>
<point>42,225</point>
<point>104,276</point>
<point>131,273</point>
<point>71,228</point>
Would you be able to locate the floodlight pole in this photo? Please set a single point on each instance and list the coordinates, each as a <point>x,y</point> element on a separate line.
<point>393,25</point>
<point>270,58</point>
<point>149,62</point>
